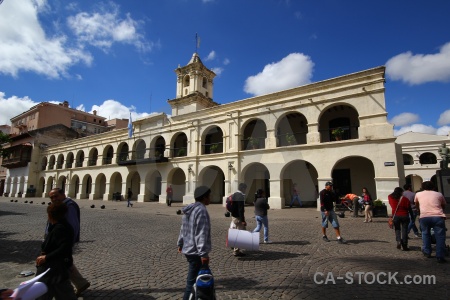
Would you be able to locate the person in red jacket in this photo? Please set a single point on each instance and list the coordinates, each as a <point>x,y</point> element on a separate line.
<point>401,210</point>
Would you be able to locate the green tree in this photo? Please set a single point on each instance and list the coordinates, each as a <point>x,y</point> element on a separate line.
<point>4,138</point>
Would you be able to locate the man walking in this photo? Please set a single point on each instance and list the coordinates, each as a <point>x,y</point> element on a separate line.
<point>408,193</point>
<point>327,197</point>
<point>129,195</point>
<point>194,240</point>
<point>73,218</point>
<point>169,192</point>
<point>237,215</point>
<point>295,196</point>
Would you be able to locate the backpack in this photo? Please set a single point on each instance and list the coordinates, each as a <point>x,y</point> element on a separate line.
<point>230,205</point>
<point>203,288</point>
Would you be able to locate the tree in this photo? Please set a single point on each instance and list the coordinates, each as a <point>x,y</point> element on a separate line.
<point>4,138</point>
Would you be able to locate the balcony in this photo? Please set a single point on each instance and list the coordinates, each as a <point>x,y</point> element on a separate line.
<point>59,166</point>
<point>78,164</point>
<point>16,162</point>
<point>138,158</point>
<point>69,165</point>
<point>92,162</point>
<point>107,160</point>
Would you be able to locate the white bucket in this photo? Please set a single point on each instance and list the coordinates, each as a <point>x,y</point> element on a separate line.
<point>243,239</point>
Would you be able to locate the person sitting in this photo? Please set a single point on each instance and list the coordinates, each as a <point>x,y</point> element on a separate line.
<point>355,199</point>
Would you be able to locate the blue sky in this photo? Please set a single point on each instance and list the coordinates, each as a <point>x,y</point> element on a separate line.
<point>120,56</point>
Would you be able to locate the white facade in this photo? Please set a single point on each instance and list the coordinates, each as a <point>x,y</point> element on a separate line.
<point>270,142</point>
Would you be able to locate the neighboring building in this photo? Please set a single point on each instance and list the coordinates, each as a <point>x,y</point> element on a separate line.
<point>421,159</point>
<point>43,125</point>
<point>270,142</point>
<point>5,129</point>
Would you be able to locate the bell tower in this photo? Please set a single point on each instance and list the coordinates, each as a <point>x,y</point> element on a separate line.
<point>195,85</point>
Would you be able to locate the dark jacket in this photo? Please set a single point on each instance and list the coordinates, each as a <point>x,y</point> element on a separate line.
<point>57,248</point>
<point>261,207</point>
<point>239,198</point>
<point>326,200</point>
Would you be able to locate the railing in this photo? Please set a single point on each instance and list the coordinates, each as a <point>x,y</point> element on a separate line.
<point>92,162</point>
<point>51,167</point>
<point>213,148</point>
<point>107,160</point>
<point>78,164</point>
<point>179,152</point>
<point>59,166</point>
<point>69,165</point>
<point>251,143</point>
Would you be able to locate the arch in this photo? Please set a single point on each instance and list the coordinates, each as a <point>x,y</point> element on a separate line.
<point>86,187</point>
<point>60,161</point>
<point>177,178</point>
<point>49,186</point>
<point>153,183</point>
<point>214,178</point>
<point>256,176</point>
<point>205,82</point>
<point>115,183</point>
<point>415,181</point>
<point>179,147</point>
<point>93,156</point>
<point>134,182</point>
<point>254,135</point>
<point>79,159</point>
<point>305,175</point>
<point>40,188</point>
<point>292,129</point>
<point>139,149</point>
<point>108,154</point>
<point>427,158</point>
<point>352,173</point>
<point>122,151</point>
<point>212,140</point>
<point>186,81</point>
<point>62,183</point>
<point>157,147</point>
<point>44,162</point>
<point>408,160</point>
<point>100,186</point>
<point>51,162</point>
<point>338,116</point>
<point>69,160</point>
<point>74,187</point>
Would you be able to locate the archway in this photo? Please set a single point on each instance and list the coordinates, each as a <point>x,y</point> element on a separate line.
<point>214,178</point>
<point>153,186</point>
<point>305,176</point>
<point>256,176</point>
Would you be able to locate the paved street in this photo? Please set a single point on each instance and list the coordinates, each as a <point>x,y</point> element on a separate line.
<point>130,253</point>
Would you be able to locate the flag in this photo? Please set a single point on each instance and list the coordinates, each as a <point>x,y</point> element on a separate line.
<point>130,127</point>
<point>1,1</point>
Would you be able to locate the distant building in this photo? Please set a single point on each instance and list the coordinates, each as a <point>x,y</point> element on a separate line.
<point>421,159</point>
<point>5,129</point>
<point>332,130</point>
<point>41,126</point>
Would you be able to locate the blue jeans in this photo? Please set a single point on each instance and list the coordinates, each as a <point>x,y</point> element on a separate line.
<point>195,263</point>
<point>412,224</point>
<point>264,221</point>
<point>438,224</point>
<point>401,227</point>
<point>296,197</point>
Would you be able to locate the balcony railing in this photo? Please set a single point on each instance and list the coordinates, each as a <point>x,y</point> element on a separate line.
<point>213,148</point>
<point>92,162</point>
<point>78,164</point>
<point>107,160</point>
<point>59,166</point>
<point>251,143</point>
<point>69,165</point>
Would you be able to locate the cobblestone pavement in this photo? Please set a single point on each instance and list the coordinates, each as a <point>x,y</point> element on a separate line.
<point>130,253</point>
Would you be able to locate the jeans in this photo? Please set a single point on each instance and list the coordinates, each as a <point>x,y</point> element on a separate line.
<point>412,224</point>
<point>438,224</point>
<point>195,262</point>
<point>296,197</point>
<point>401,226</point>
<point>264,221</point>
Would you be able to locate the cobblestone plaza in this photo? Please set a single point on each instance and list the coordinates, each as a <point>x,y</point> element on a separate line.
<point>130,253</point>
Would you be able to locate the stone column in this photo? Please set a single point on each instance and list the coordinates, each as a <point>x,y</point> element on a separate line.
<point>275,199</point>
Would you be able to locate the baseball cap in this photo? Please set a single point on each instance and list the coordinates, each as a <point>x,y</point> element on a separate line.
<point>329,183</point>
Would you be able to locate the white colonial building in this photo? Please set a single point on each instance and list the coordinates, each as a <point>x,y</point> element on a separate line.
<point>270,142</point>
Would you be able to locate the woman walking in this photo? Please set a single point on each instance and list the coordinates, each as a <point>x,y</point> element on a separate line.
<point>368,204</point>
<point>401,210</point>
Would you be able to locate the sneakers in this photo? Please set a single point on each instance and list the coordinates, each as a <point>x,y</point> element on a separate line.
<point>325,238</point>
<point>417,235</point>
<point>239,253</point>
<point>341,241</point>
<point>427,255</point>
<point>365,221</point>
<point>268,242</point>
<point>82,289</point>
<point>441,260</point>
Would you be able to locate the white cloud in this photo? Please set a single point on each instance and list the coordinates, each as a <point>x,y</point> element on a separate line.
<point>102,29</point>
<point>211,56</point>
<point>444,118</point>
<point>293,70</point>
<point>404,119</point>
<point>420,68</point>
<point>24,46</point>
<point>13,106</point>
<point>217,70</point>
<point>415,128</point>
<point>444,130</point>
<point>112,109</point>
<point>226,61</point>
